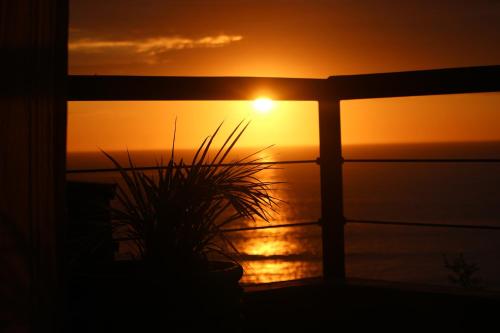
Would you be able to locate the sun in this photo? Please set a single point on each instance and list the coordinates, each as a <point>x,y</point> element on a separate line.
<point>263,104</point>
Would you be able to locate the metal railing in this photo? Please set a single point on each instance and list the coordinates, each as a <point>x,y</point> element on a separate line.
<point>146,168</point>
<point>328,93</point>
<point>423,160</point>
<point>421,224</point>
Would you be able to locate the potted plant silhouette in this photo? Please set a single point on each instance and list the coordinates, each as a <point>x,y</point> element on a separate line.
<point>176,216</point>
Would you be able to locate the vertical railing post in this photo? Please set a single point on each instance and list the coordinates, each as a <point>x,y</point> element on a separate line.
<point>332,215</point>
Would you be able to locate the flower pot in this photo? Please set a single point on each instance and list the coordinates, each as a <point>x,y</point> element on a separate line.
<point>132,296</point>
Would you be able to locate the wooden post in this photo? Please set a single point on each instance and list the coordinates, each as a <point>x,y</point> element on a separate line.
<point>332,210</point>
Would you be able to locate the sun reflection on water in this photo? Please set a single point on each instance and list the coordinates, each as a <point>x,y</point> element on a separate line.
<point>279,254</point>
<point>257,247</point>
<point>266,271</point>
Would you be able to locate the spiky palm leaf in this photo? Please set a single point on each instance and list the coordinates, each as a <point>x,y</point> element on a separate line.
<point>178,214</point>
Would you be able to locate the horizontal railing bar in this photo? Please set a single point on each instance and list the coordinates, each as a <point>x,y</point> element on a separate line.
<point>301,224</point>
<point>316,161</point>
<point>191,88</point>
<point>146,168</point>
<point>432,225</point>
<point>272,226</point>
<point>421,160</point>
<point>416,83</point>
<point>411,224</point>
<point>379,85</point>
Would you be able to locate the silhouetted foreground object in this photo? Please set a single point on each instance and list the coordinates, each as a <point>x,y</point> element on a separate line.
<point>133,296</point>
<point>89,235</point>
<point>34,44</point>
<point>89,248</point>
<point>316,305</point>
<point>176,214</point>
<point>146,298</point>
<point>461,272</point>
<point>186,275</point>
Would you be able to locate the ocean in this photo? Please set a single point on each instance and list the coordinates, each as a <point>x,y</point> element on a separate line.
<point>431,193</point>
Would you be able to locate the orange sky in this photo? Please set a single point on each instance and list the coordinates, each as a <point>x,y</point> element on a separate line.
<point>287,39</point>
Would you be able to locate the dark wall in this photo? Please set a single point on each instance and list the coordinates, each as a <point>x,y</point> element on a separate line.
<point>33,39</point>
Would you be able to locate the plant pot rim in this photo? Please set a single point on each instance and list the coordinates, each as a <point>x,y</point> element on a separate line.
<point>218,271</point>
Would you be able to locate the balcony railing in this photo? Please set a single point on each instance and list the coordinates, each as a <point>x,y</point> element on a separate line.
<point>328,92</point>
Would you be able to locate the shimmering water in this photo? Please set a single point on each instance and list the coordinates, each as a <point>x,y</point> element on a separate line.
<point>460,193</point>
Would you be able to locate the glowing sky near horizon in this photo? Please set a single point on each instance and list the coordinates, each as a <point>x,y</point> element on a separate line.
<point>292,38</point>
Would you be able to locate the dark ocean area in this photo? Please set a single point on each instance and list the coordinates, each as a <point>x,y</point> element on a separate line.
<point>464,193</point>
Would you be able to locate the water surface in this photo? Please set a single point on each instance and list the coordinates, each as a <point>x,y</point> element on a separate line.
<point>459,193</point>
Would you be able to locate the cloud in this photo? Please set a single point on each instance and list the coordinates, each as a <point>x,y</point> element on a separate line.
<point>152,46</point>
<point>92,45</point>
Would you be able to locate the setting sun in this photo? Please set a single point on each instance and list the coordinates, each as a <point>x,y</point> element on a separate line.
<point>263,104</point>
